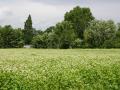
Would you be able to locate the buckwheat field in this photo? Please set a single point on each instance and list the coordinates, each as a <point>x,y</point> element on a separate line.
<point>52,69</point>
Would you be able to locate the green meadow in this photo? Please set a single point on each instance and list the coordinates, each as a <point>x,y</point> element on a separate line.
<point>55,69</point>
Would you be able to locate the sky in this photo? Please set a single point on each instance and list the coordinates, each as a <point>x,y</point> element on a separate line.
<point>47,13</point>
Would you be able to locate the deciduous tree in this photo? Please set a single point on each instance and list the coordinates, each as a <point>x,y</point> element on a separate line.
<point>80,17</point>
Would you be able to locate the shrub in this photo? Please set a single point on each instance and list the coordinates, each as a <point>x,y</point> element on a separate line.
<point>39,41</point>
<point>78,43</point>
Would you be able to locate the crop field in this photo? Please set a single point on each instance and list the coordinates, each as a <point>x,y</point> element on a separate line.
<point>54,69</point>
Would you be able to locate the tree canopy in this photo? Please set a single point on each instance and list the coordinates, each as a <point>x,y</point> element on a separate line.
<point>79,29</point>
<point>80,17</point>
<point>11,38</point>
<point>98,32</point>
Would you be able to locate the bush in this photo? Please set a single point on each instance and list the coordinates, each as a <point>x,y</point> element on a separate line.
<point>112,43</point>
<point>78,43</point>
<point>39,41</point>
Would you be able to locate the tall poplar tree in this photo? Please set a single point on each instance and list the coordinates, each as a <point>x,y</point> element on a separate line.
<point>28,30</point>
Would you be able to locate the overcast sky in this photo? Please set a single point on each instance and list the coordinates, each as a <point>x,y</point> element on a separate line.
<point>48,12</point>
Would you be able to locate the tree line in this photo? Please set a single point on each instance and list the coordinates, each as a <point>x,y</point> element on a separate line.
<point>79,29</point>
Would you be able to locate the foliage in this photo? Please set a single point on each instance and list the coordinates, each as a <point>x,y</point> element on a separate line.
<point>48,69</point>
<point>98,32</point>
<point>28,30</point>
<point>112,43</point>
<point>1,41</point>
<point>40,41</point>
<point>50,29</point>
<point>61,36</point>
<point>118,25</point>
<point>37,32</point>
<point>52,41</point>
<point>65,34</point>
<point>80,17</point>
<point>11,38</point>
<point>77,43</point>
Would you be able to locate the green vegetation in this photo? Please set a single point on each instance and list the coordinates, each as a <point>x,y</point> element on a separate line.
<point>99,32</point>
<point>81,18</point>
<point>11,38</point>
<point>28,30</point>
<point>79,29</point>
<point>48,69</point>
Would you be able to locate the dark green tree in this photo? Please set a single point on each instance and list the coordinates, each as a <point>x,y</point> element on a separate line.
<point>28,30</point>
<point>40,41</point>
<point>7,35</point>
<point>65,34</point>
<point>80,17</point>
<point>11,38</point>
